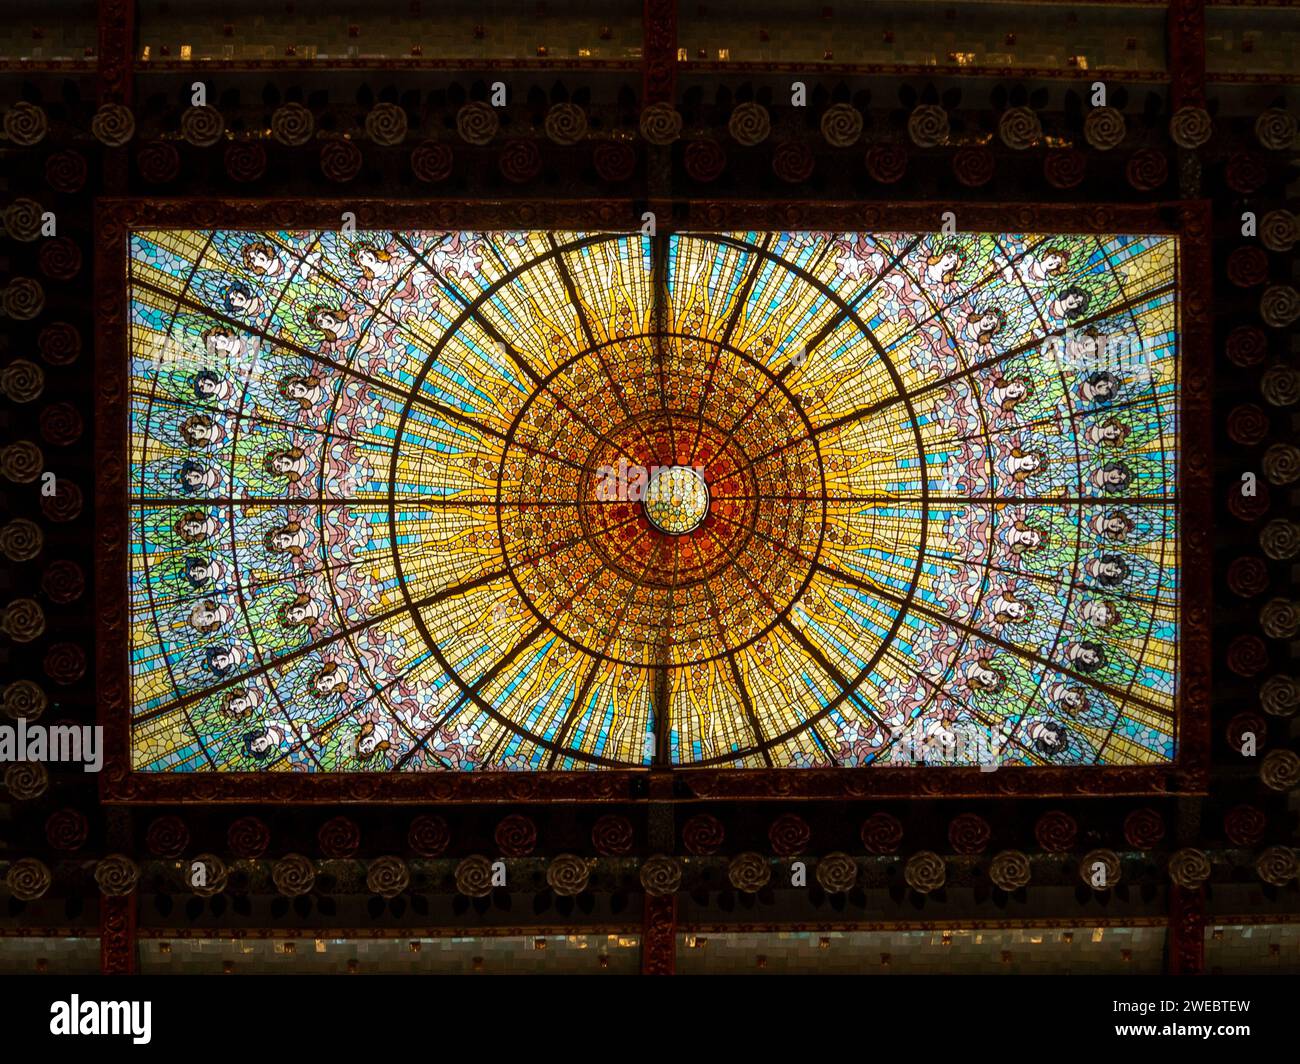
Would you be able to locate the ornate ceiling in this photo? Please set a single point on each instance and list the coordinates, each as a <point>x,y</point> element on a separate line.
<point>559,345</point>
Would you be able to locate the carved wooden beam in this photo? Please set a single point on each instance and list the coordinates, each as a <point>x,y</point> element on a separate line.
<point>659,936</point>
<point>658,51</point>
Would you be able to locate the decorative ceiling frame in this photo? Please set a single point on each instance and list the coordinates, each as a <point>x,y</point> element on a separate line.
<point>1186,775</point>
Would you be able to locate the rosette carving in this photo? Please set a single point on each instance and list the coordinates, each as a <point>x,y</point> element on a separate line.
<point>1147,169</point>
<point>661,124</point>
<point>705,160</point>
<point>1100,869</point>
<point>59,344</point>
<point>339,838</point>
<point>886,163</point>
<point>841,125</point>
<point>245,161</point>
<point>1280,386</point>
<point>1244,825</point>
<point>61,424</point>
<point>1247,425</point>
<point>429,836</point>
<point>59,259</point>
<point>1009,870</point>
<point>1282,463</point>
<point>431,162</point>
<point>1020,128</point>
<point>386,124</point>
<point>1247,655</point>
<point>65,171</point>
<point>703,834</point>
<point>477,123</point>
<point>1280,619</point>
<point>614,160</point>
<point>21,540</point>
<point>1279,230</point>
<point>882,833</point>
<point>66,830</point>
<point>63,581</point>
<point>1247,577</point>
<point>1247,345</point>
<point>520,161</point>
<point>158,162</point>
<point>661,875</point>
<point>927,125</point>
<point>925,872</point>
<point>1246,724</point>
<point>1065,167</point>
<point>292,124</point>
<point>22,219</point>
<point>566,123</point>
<point>248,838</point>
<point>1275,129</point>
<point>749,872</point>
<point>1280,770</point>
<point>202,126</point>
<point>568,874</point>
<point>65,663</point>
<point>474,877</point>
<point>969,834</point>
<point>837,873</point>
<point>749,124</point>
<point>1191,127</point>
<point>1277,866</point>
<point>1189,868</point>
<point>789,835</point>
<point>1104,128</point>
<point>28,879</point>
<point>340,160</point>
<point>612,836</point>
<point>1279,695</point>
<point>23,620</point>
<point>1144,829</point>
<point>293,875</point>
<point>167,837</point>
<point>1056,831</point>
<point>22,299</point>
<point>26,781</point>
<point>387,877</point>
<point>1248,267</point>
<point>22,698</point>
<point>974,167</point>
<point>21,462</point>
<point>516,836</point>
<point>117,875</point>
<point>214,878</point>
<point>65,505</point>
<point>113,125</point>
<point>25,124</point>
<point>1279,306</point>
<point>793,162</point>
<point>1246,173</point>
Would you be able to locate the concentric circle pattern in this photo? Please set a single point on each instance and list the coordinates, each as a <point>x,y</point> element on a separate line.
<point>530,500</point>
